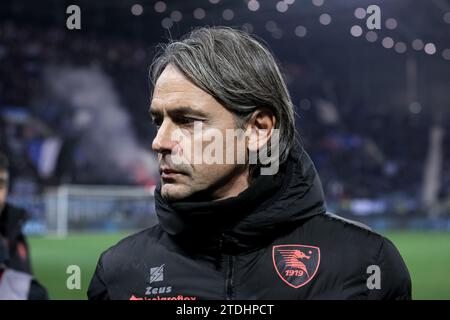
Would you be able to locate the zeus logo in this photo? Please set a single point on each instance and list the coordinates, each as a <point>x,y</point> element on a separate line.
<point>158,290</point>
<point>156,274</point>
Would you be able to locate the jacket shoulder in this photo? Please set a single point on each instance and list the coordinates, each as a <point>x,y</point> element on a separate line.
<point>358,250</point>
<point>132,243</point>
<point>348,221</point>
<point>120,257</point>
<point>348,234</point>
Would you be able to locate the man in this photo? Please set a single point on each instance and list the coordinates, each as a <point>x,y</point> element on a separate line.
<point>235,230</point>
<point>11,221</point>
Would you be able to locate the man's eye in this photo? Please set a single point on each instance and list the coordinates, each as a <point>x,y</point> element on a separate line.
<point>157,122</point>
<point>186,120</point>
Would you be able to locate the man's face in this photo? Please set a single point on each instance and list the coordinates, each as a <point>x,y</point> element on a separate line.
<point>3,188</point>
<point>177,108</point>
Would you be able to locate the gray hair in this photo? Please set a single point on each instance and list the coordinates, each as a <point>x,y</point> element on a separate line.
<point>237,70</point>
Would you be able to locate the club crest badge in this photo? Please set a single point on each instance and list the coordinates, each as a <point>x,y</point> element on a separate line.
<point>296,264</point>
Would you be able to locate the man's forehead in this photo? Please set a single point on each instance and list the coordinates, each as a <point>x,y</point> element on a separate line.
<point>179,98</point>
<point>173,90</point>
<point>172,80</point>
<point>178,93</point>
<point>173,86</point>
<point>198,101</point>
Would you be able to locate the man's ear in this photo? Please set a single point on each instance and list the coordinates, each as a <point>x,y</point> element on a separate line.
<point>260,129</point>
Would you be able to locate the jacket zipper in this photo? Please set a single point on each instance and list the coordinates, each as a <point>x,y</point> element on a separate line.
<point>229,278</point>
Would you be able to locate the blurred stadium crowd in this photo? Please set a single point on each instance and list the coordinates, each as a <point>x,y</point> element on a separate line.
<point>371,161</point>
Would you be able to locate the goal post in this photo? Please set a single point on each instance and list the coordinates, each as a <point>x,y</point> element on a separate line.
<point>98,208</point>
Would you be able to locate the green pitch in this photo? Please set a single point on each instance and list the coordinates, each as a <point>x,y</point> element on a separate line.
<point>427,255</point>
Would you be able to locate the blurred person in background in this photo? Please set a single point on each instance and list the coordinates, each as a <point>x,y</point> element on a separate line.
<point>12,220</point>
<point>17,285</point>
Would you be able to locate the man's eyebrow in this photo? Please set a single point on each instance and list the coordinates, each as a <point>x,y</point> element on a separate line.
<point>177,111</point>
<point>185,110</point>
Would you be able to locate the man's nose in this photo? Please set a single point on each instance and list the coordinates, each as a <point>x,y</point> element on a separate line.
<point>163,142</point>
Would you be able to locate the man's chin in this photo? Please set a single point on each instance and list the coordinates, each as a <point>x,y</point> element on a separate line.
<point>174,192</point>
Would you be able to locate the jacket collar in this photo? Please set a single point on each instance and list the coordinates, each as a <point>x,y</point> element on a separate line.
<point>270,207</point>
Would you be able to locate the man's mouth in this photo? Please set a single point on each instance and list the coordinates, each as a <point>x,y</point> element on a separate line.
<point>168,173</point>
